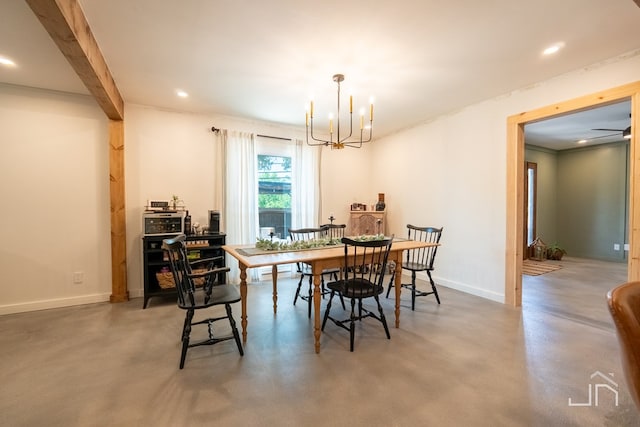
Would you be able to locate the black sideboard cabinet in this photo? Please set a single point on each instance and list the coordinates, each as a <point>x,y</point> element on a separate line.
<point>156,266</point>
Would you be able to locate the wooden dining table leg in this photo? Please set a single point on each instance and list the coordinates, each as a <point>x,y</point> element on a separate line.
<point>243,299</point>
<point>398,285</point>
<point>274,278</point>
<point>316,305</point>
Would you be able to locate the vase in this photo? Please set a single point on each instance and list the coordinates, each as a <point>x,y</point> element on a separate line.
<point>380,205</point>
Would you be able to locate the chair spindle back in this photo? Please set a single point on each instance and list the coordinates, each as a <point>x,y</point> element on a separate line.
<point>425,256</point>
<point>366,263</point>
<point>334,231</point>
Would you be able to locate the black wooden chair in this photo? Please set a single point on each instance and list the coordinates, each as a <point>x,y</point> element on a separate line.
<point>306,235</point>
<point>420,259</point>
<point>362,278</point>
<point>334,232</point>
<point>199,290</point>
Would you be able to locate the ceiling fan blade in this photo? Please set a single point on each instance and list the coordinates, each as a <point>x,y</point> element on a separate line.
<point>610,130</point>
<point>603,136</point>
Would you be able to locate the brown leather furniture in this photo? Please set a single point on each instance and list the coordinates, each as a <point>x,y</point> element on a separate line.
<point>624,305</point>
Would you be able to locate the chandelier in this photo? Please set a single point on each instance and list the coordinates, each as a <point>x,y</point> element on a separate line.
<point>341,141</point>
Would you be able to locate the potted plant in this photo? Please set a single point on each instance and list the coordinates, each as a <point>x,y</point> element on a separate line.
<point>555,252</point>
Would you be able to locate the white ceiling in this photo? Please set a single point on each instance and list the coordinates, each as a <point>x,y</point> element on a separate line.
<point>263,59</point>
<point>564,132</point>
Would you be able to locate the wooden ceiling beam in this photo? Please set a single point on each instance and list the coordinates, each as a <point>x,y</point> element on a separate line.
<point>65,22</point>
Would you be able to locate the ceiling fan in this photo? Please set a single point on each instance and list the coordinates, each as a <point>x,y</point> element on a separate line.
<point>626,133</point>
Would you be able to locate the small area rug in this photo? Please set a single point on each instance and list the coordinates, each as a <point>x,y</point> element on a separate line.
<point>536,268</point>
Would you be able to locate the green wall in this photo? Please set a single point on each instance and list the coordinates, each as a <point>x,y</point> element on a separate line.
<point>582,199</point>
<point>547,191</point>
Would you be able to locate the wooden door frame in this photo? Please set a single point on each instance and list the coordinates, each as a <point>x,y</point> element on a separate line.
<point>515,180</point>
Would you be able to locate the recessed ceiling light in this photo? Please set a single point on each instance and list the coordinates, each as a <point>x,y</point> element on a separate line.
<point>181,93</point>
<point>553,48</point>
<point>582,141</point>
<point>6,61</point>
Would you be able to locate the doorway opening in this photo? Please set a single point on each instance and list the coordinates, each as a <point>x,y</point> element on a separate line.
<point>515,241</point>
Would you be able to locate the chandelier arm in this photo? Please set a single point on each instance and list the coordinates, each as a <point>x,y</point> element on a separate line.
<point>320,141</point>
<point>358,144</point>
<point>350,129</point>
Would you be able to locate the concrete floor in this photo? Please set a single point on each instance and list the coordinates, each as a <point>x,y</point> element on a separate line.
<point>467,362</point>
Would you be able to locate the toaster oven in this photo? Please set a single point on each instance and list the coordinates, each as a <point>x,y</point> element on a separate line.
<point>155,223</point>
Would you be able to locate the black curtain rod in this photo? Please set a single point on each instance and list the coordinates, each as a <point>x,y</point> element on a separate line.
<point>216,130</point>
<point>275,137</point>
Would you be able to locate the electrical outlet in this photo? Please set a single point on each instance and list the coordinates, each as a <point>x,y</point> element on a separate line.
<point>78,277</point>
<point>626,246</point>
<point>616,246</point>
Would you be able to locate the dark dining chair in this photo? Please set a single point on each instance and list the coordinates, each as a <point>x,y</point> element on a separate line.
<point>334,231</point>
<point>306,235</point>
<point>624,306</point>
<point>193,297</point>
<point>362,278</point>
<point>420,259</point>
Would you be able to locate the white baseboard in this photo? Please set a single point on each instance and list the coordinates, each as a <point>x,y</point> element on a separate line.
<point>493,296</point>
<point>53,303</point>
<point>136,293</point>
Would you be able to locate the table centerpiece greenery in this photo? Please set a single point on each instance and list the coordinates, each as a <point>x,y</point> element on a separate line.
<point>286,245</point>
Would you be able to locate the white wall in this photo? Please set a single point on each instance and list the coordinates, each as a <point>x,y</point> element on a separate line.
<point>451,172</point>
<point>346,178</point>
<point>54,170</point>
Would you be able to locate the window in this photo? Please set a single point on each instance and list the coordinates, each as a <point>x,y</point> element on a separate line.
<point>275,160</point>
<point>290,172</point>
<point>274,195</point>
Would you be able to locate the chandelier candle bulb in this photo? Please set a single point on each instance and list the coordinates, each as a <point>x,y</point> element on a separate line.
<point>371,112</point>
<point>311,110</point>
<point>351,103</point>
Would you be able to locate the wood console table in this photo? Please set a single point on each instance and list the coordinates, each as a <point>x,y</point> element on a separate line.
<point>367,222</point>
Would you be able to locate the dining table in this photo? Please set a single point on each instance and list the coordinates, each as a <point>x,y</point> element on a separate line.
<point>319,258</point>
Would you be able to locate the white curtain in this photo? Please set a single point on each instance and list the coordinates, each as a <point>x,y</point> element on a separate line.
<point>219,175</point>
<point>235,191</point>
<point>306,207</point>
<point>240,204</point>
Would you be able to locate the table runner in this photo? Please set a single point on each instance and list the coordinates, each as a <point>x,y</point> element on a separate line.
<point>257,251</point>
